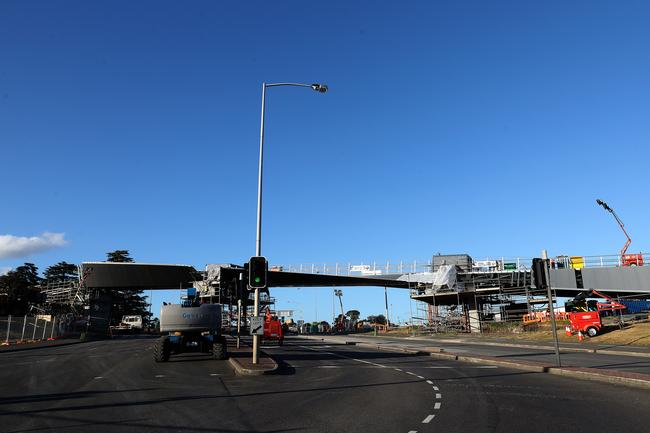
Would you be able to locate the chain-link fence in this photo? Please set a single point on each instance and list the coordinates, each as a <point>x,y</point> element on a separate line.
<point>21,329</point>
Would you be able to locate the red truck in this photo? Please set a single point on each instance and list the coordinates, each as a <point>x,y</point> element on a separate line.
<point>590,316</point>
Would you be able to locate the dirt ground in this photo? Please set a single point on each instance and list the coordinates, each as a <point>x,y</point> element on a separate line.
<point>636,334</point>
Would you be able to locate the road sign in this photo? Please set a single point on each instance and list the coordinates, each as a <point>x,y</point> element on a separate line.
<point>284,313</point>
<point>257,326</point>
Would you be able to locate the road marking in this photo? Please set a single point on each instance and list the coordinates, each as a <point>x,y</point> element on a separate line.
<point>437,405</point>
<point>398,369</point>
<point>435,388</point>
<point>413,431</point>
<point>412,374</point>
<point>429,382</point>
<point>159,375</point>
<point>328,366</point>
<point>214,374</point>
<point>98,377</point>
<point>428,419</point>
<point>466,366</point>
<point>438,396</point>
<point>344,357</point>
<point>421,377</point>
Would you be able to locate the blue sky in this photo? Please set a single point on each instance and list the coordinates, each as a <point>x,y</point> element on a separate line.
<point>486,128</point>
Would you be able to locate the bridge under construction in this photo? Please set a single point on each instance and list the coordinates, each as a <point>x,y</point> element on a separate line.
<point>452,292</point>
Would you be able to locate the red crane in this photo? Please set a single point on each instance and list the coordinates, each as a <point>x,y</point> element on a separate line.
<point>626,259</point>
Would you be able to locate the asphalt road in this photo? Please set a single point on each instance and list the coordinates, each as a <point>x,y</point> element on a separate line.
<point>114,386</point>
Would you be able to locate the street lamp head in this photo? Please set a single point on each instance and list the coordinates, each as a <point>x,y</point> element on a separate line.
<point>322,88</point>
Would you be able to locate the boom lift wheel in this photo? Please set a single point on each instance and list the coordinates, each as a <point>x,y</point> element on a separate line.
<point>162,350</point>
<point>219,349</point>
<point>592,331</point>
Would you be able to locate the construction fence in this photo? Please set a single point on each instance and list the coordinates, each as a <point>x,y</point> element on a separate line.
<point>30,328</point>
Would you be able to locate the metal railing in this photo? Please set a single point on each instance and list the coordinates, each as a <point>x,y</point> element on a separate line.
<point>358,268</point>
<point>480,264</point>
<point>23,329</point>
<point>602,261</point>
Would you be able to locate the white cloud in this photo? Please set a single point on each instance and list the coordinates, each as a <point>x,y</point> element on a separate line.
<point>3,271</point>
<point>13,247</point>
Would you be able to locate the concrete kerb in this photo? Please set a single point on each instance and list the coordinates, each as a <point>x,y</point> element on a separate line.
<point>38,345</point>
<point>609,376</point>
<point>254,369</point>
<point>244,371</point>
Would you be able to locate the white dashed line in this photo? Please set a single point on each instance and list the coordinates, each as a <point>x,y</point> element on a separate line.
<point>412,374</point>
<point>428,419</point>
<point>398,369</point>
<point>421,377</point>
<point>413,431</point>
<point>98,377</point>
<point>214,374</point>
<point>435,388</point>
<point>159,376</point>
<point>429,382</point>
<point>437,405</point>
<point>438,396</point>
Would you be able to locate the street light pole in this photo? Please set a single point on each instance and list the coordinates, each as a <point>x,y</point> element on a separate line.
<point>321,88</point>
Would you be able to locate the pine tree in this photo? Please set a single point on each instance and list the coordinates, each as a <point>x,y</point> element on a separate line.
<point>21,288</point>
<point>61,272</point>
<point>127,301</point>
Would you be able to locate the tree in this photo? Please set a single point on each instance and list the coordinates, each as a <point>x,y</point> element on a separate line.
<point>21,288</point>
<point>119,256</point>
<point>61,272</point>
<point>127,301</point>
<point>353,314</point>
<point>379,319</point>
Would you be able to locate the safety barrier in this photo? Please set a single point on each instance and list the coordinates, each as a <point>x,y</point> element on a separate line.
<point>26,329</point>
<point>544,316</point>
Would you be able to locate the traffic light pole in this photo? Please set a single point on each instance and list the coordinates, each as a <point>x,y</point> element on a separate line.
<point>258,235</point>
<point>549,294</point>
<point>321,88</point>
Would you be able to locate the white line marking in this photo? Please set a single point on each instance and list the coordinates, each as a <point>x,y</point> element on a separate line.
<point>413,431</point>
<point>398,369</point>
<point>428,419</point>
<point>420,377</point>
<point>159,375</point>
<point>429,382</point>
<point>214,374</point>
<point>328,366</point>
<point>412,374</point>
<point>437,405</point>
<point>438,396</point>
<point>435,388</point>
<point>98,377</point>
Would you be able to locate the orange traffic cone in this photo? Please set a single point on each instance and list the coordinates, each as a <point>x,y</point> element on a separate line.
<point>580,337</point>
<point>567,331</point>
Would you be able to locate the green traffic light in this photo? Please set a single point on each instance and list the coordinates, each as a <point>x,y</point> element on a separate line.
<point>258,279</point>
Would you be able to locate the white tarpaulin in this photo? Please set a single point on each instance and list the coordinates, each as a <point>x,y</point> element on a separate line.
<point>444,277</point>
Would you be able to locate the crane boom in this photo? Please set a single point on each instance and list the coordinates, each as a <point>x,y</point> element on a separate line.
<point>620,224</point>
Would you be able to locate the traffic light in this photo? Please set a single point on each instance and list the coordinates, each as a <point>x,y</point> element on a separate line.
<point>257,269</point>
<point>539,273</point>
